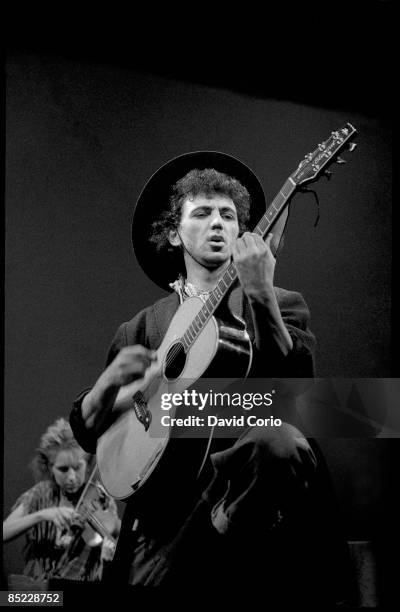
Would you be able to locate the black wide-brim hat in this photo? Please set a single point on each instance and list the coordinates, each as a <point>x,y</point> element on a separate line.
<point>155,195</point>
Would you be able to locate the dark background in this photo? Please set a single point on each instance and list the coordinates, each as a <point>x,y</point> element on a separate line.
<point>85,128</point>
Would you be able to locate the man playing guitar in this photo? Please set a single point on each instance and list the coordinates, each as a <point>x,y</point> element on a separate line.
<point>261,514</point>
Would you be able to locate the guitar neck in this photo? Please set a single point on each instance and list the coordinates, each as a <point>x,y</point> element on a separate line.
<point>230,275</point>
<point>275,209</point>
<point>313,165</point>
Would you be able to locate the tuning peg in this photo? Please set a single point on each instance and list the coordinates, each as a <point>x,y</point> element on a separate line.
<point>328,174</point>
<point>352,146</point>
<point>340,160</point>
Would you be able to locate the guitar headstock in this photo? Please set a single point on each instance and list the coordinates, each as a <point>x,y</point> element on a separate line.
<point>327,152</point>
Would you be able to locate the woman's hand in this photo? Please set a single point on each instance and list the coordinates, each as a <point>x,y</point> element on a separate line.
<point>107,550</point>
<point>60,516</point>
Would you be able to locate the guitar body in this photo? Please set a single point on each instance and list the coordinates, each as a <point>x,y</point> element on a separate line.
<point>133,446</point>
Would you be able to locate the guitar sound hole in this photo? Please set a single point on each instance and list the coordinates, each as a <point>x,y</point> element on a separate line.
<point>175,361</point>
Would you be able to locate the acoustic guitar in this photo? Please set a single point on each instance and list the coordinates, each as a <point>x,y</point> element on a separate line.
<point>198,344</point>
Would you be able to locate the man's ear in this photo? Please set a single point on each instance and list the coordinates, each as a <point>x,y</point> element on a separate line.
<point>173,237</point>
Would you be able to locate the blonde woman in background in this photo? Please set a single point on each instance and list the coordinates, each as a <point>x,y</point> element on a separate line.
<point>60,539</point>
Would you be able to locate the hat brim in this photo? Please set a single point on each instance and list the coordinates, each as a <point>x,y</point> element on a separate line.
<point>155,196</point>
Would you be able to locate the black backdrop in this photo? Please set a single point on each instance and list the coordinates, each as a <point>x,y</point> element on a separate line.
<point>83,134</point>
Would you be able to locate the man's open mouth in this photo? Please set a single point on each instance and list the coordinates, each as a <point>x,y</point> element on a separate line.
<point>216,238</point>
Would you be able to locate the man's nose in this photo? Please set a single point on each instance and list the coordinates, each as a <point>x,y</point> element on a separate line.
<point>216,220</point>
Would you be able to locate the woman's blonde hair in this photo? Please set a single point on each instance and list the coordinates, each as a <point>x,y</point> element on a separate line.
<point>56,438</point>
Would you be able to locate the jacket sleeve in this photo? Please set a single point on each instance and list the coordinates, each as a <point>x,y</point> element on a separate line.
<point>296,317</point>
<point>299,363</point>
<point>127,334</point>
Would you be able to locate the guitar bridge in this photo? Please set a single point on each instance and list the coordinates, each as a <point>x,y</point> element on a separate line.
<point>143,415</point>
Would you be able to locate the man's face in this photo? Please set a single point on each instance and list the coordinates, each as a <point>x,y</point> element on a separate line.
<point>209,227</point>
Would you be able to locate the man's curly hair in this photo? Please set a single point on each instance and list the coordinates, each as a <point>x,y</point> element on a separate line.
<point>57,437</point>
<point>208,182</point>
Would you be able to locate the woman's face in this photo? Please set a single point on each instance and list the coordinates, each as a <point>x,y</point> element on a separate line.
<point>69,469</point>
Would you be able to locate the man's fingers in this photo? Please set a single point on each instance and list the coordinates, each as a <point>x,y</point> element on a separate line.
<point>268,240</point>
<point>136,358</point>
<point>248,239</point>
<point>252,242</point>
<point>140,353</point>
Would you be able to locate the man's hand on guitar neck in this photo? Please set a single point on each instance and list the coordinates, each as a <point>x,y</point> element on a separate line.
<point>255,265</point>
<point>129,365</point>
